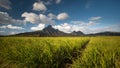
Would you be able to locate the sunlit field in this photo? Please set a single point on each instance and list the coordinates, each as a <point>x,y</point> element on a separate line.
<point>60,52</point>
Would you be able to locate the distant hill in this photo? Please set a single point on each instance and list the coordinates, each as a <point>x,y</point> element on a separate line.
<point>107,33</point>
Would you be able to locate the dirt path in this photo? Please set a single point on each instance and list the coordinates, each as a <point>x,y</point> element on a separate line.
<point>75,54</point>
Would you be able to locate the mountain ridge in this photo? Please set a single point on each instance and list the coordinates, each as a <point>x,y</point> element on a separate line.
<point>49,31</point>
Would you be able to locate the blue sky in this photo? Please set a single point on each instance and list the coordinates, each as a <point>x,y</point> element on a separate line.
<point>88,16</point>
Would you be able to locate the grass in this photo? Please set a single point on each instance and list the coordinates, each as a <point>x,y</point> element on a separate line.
<point>102,52</point>
<point>33,52</point>
<point>60,52</point>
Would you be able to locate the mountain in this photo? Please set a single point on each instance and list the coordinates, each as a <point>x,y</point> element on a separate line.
<point>77,33</point>
<point>49,31</point>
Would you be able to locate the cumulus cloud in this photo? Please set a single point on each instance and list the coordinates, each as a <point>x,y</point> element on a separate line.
<point>41,18</point>
<point>39,6</point>
<point>50,2</point>
<point>30,17</point>
<point>5,4</point>
<point>11,27</point>
<point>76,26</point>
<point>57,1</point>
<point>39,27</point>
<point>95,18</point>
<point>46,20</point>
<point>6,19</point>
<point>65,27</point>
<point>52,16</point>
<point>86,27</point>
<point>34,18</point>
<point>62,16</point>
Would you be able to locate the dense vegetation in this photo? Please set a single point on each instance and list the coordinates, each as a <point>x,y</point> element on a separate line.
<point>59,52</point>
<point>102,52</point>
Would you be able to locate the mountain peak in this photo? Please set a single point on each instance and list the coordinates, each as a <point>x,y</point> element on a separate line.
<point>77,33</point>
<point>49,26</point>
<point>50,31</point>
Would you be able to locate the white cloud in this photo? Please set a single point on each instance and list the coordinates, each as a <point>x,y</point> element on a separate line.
<point>6,19</point>
<point>39,6</point>
<point>11,33</point>
<point>5,4</point>
<point>41,18</point>
<point>62,16</point>
<point>95,18</point>
<point>52,16</point>
<point>112,28</point>
<point>34,18</point>
<point>6,33</point>
<point>31,17</point>
<point>58,1</point>
<point>86,27</point>
<point>82,23</point>
<point>76,26</point>
<point>46,20</point>
<point>11,27</point>
<point>65,27</point>
<point>50,2</point>
<point>39,27</point>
